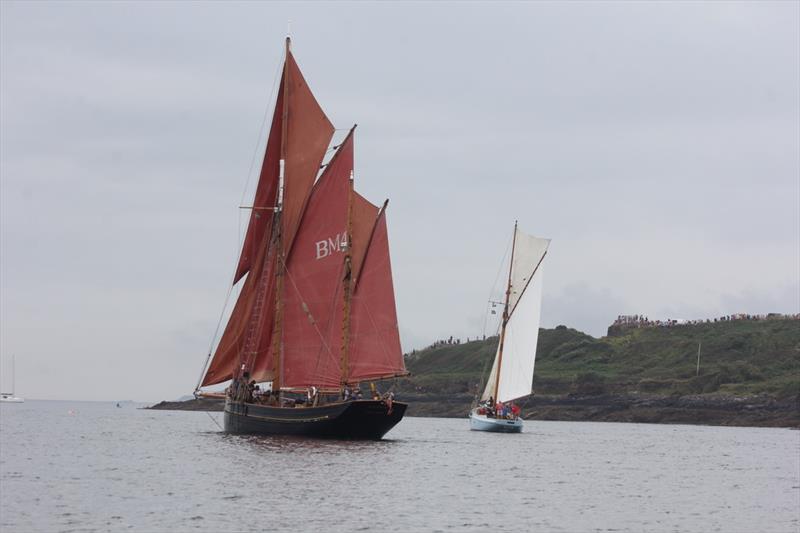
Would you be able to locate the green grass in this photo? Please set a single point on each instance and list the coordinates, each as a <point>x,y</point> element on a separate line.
<point>737,358</point>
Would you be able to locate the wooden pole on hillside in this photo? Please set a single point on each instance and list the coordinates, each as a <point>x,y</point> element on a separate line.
<point>698,359</point>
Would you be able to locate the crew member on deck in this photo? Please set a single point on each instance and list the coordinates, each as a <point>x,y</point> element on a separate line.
<point>312,396</point>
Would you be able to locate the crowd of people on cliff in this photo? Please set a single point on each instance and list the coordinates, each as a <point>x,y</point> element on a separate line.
<point>446,342</point>
<point>642,321</point>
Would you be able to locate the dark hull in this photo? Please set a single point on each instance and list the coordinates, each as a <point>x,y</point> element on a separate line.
<point>359,419</point>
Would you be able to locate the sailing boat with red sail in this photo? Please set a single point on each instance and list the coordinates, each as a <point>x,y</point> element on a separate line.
<point>316,312</point>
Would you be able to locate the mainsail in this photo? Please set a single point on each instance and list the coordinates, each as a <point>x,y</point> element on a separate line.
<point>313,290</point>
<point>516,352</point>
<point>317,305</point>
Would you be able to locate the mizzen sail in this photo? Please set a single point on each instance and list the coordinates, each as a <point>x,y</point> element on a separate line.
<point>374,336</point>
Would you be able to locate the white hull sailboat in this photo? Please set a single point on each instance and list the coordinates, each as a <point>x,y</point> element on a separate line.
<point>482,422</point>
<point>9,397</point>
<point>511,377</point>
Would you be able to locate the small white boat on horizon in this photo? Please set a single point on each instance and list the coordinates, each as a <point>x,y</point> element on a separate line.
<point>9,397</point>
<point>511,377</point>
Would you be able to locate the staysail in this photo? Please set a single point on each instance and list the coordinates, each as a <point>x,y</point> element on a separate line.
<point>317,306</point>
<point>516,353</point>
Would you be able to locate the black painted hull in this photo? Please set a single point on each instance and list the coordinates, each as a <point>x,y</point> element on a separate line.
<point>359,419</point>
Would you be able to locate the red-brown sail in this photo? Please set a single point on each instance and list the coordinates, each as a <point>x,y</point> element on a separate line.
<point>258,229</point>
<point>241,332</point>
<point>374,337</point>
<point>308,134</point>
<point>303,131</point>
<point>364,217</point>
<point>317,305</point>
<point>313,286</point>
<point>313,235</point>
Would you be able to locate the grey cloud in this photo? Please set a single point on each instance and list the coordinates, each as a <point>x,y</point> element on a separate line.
<point>656,143</point>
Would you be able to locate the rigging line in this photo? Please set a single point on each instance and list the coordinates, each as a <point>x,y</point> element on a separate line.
<point>261,129</point>
<point>375,327</point>
<point>479,391</point>
<point>307,310</point>
<point>526,284</point>
<point>331,322</point>
<point>239,237</point>
<point>214,420</point>
<point>494,285</point>
<point>214,337</point>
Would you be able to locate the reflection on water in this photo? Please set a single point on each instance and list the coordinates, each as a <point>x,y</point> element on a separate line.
<point>302,445</point>
<point>93,467</point>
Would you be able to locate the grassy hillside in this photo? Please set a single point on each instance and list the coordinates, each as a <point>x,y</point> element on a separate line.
<point>739,358</point>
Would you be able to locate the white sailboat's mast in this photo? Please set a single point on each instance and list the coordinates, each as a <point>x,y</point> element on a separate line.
<point>505,316</point>
<point>13,374</point>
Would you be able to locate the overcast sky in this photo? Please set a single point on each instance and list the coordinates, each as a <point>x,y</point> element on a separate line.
<point>657,144</point>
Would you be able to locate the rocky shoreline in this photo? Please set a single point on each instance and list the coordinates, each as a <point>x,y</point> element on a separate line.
<point>754,411</point>
<point>757,411</point>
<point>199,404</point>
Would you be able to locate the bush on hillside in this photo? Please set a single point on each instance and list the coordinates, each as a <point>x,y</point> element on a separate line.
<point>589,384</point>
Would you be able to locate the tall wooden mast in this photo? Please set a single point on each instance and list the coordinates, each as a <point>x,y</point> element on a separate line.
<point>505,316</point>
<point>347,279</point>
<point>280,265</point>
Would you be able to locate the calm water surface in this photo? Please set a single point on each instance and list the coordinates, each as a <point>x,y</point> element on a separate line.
<point>68,466</point>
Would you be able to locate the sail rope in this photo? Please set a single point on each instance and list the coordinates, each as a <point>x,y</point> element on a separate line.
<point>479,389</point>
<point>259,144</point>
<point>239,236</point>
<point>214,420</point>
<point>482,383</point>
<point>375,327</point>
<point>306,309</point>
<point>494,285</point>
<point>331,324</point>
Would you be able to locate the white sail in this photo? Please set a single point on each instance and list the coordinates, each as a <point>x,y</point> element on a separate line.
<point>522,328</point>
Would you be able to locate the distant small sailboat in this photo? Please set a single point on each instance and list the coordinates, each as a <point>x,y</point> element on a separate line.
<point>511,377</point>
<point>9,397</point>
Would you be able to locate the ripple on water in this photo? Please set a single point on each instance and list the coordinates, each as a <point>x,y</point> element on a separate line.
<point>154,471</point>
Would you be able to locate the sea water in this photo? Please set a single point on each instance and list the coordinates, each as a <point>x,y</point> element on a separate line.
<point>68,466</point>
